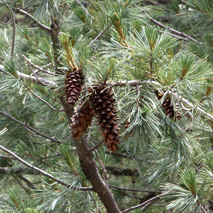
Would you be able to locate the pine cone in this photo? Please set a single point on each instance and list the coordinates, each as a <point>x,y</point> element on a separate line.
<point>169,109</point>
<point>104,106</point>
<point>73,83</point>
<point>81,120</point>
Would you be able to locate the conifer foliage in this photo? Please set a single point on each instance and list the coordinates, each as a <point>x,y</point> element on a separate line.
<point>72,73</point>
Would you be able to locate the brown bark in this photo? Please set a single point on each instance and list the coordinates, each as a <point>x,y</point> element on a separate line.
<point>88,166</point>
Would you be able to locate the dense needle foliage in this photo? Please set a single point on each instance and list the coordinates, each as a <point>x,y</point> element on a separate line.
<point>155,56</point>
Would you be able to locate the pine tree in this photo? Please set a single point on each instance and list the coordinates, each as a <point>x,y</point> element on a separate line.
<point>134,75</point>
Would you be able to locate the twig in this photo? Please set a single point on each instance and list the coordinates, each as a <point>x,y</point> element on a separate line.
<point>96,146</point>
<point>132,190</point>
<point>102,166</point>
<point>144,208</point>
<point>100,34</point>
<point>156,84</point>
<point>41,99</point>
<point>42,172</point>
<point>37,67</point>
<point>6,157</point>
<point>203,210</point>
<point>5,23</point>
<point>17,179</point>
<point>121,84</point>
<point>27,181</point>
<point>14,29</point>
<point>186,103</point>
<point>175,36</point>
<point>38,80</point>
<point>30,128</point>
<point>23,12</point>
<point>171,29</point>
<point>34,73</point>
<point>145,203</point>
<point>133,83</point>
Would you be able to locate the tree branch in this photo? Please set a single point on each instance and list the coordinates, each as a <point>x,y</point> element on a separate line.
<point>40,171</point>
<point>145,203</point>
<point>27,181</point>
<point>100,34</point>
<point>89,168</point>
<point>37,67</point>
<point>171,29</point>
<point>41,99</point>
<point>6,157</point>
<point>40,81</point>
<point>10,170</point>
<point>30,128</point>
<point>26,14</point>
<point>128,83</point>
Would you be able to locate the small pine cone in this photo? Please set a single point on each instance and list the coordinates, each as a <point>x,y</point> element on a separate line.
<point>169,109</point>
<point>104,106</point>
<point>73,83</point>
<point>81,120</point>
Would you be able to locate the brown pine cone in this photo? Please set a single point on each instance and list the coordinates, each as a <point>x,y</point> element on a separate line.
<point>73,84</point>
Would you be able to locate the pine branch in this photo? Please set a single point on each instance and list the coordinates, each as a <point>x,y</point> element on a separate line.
<point>130,83</point>
<point>171,29</point>
<point>6,157</point>
<point>29,184</point>
<point>10,170</point>
<point>41,99</point>
<point>30,128</point>
<point>203,210</point>
<point>100,34</point>
<point>37,67</point>
<point>146,202</point>
<point>42,172</point>
<point>37,80</point>
<point>26,14</point>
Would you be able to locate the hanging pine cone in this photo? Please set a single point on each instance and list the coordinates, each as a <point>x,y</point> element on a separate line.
<point>81,119</point>
<point>104,106</point>
<point>169,109</point>
<point>73,83</point>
